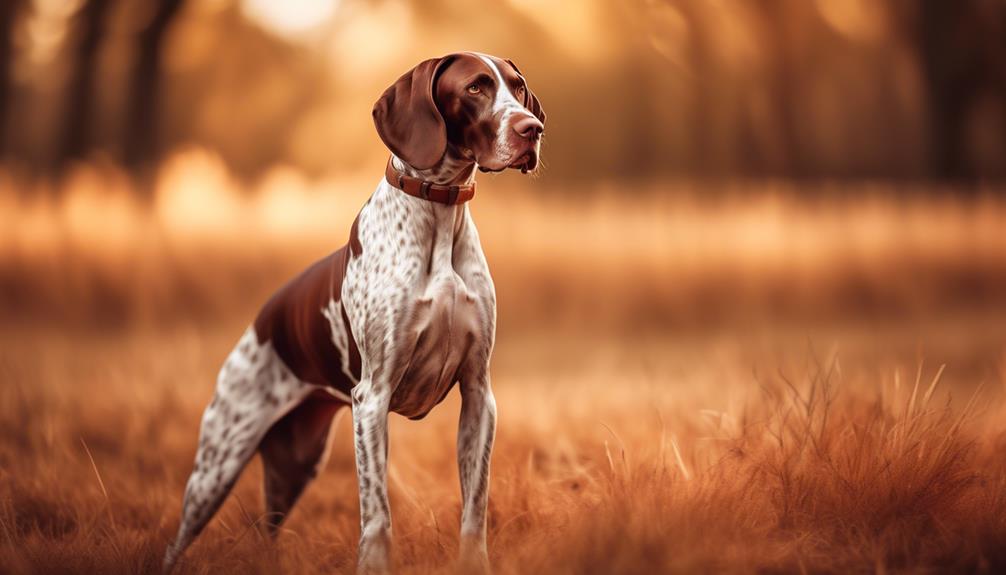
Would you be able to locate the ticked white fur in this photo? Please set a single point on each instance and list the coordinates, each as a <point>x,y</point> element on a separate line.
<point>254,390</point>
<point>422,306</point>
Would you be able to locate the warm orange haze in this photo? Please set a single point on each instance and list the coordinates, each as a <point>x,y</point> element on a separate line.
<point>751,308</point>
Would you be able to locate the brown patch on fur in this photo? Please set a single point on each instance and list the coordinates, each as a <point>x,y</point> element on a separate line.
<point>292,320</point>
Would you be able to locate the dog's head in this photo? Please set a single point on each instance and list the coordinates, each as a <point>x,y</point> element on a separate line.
<point>476,104</point>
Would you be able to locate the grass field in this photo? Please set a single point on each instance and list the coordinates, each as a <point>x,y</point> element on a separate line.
<point>734,379</point>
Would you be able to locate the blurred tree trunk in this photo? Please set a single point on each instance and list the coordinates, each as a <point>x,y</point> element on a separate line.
<point>783,85</point>
<point>9,12</point>
<point>949,83</point>
<point>700,157</point>
<point>140,142</point>
<point>962,48</point>
<point>76,134</point>
<point>636,152</point>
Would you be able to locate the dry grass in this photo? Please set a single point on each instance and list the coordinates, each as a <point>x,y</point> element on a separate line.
<point>606,468</point>
<point>799,432</point>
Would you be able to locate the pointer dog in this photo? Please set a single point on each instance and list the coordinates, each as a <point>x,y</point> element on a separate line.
<point>390,322</point>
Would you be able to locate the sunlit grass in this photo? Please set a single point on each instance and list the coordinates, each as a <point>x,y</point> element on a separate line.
<point>594,471</point>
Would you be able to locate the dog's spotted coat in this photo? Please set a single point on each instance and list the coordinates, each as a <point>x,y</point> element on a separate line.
<point>389,322</point>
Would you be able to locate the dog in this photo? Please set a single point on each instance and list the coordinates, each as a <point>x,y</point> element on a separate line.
<point>388,323</point>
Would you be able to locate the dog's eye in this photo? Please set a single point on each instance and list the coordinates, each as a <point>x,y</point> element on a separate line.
<point>474,89</point>
<point>520,92</point>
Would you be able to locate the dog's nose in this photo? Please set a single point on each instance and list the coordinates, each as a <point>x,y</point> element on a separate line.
<point>528,127</point>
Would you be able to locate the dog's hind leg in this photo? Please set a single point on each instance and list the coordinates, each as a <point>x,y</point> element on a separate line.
<point>294,452</point>
<point>254,390</point>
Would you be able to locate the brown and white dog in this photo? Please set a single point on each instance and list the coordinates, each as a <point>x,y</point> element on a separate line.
<point>388,323</point>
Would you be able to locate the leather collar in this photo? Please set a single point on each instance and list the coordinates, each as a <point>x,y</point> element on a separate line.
<point>426,190</point>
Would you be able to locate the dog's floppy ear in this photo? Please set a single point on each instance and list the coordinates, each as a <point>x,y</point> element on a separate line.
<point>407,118</point>
<point>530,100</point>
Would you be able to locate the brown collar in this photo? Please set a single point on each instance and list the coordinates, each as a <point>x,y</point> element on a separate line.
<point>423,189</point>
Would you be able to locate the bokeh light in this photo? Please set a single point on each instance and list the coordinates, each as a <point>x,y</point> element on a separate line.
<point>290,18</point>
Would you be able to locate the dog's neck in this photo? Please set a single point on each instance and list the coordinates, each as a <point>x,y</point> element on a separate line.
<point>453,169</point>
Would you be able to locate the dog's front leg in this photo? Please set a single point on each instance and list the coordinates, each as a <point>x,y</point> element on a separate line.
<point>370,428</point>
<point>476,431</point>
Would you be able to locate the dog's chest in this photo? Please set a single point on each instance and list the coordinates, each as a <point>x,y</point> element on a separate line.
<point>421,295</point>
<point>447,325</point>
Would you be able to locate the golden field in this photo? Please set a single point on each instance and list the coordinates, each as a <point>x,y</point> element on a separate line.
<point>694,378</point>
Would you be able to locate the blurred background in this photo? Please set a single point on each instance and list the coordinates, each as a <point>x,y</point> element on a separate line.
<point>850,89</point>
<point>705,161</point>
<point>734,194</point>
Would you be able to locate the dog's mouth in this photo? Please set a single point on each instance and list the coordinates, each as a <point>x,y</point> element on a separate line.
<point>527,162</point>
<point>521,162</point>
